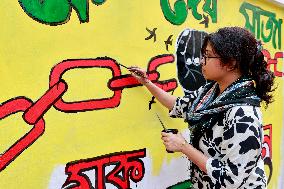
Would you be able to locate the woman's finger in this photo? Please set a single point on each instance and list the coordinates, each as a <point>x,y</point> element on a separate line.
<point>165,139</point>
<point>164,134</point>
<point>136,71</point>
<point>134,68</point>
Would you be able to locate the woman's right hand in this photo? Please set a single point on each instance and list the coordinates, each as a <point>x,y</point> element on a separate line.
<point>139,74</point>
<point>162,96</point>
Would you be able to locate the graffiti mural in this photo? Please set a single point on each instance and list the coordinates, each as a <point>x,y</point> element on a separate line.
<point>34,112</point>
<point>188,55</point>
<point>72,116</point>
<point>273,63</point>
<point>267,149</point>
<point>126,163</point>
<point>262,22</point>
<point>54,12</point>
<point>8,108</point>
<point>180,12</point>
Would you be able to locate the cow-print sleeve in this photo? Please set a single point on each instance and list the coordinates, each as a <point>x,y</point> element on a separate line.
<point>182,104</point>
<point>240,150</point>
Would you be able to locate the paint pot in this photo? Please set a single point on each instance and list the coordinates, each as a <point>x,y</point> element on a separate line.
<point>174,131</point>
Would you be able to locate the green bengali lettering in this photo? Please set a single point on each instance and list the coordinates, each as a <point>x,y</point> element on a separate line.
<point>176,16</point>
<point>55,12</point>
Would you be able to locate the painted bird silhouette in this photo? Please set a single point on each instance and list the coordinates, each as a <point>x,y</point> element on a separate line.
<point>168,42</point>
<point>152,34</point>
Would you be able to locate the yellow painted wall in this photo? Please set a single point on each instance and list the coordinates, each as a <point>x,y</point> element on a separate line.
<point>116,29</point>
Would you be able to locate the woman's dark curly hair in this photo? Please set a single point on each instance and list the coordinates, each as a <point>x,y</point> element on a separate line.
<point>236,43</point>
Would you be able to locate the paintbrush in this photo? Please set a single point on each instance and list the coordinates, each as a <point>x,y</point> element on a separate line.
<point>123,65</point>
<point>135,72</point>
<point>161,122</point>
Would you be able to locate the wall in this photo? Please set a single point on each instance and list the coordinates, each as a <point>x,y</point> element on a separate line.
<point>71,116</point>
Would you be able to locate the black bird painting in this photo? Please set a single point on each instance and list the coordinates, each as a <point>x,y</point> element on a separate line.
<point>168,42</point>
<point>152,34</point>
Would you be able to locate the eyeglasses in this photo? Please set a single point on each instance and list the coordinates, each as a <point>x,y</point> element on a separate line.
<point>205,57</point>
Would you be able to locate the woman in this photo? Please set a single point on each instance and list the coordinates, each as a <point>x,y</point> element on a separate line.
<point>224,115</point>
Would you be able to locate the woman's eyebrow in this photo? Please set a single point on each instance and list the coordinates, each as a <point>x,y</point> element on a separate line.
<point>208,51</point>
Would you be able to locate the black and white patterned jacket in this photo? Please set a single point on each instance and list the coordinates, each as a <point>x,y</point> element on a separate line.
<point>233,146</point>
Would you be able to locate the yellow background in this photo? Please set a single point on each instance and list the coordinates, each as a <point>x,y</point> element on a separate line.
<point>117,29</point>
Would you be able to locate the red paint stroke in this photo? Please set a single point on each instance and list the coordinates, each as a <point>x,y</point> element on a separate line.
<point>8,108</point>
<point>266,151</point>
<point>34,112</point>
<point>127,81</point>
<point>268,141</point>
<point>87,105</point>
<point>127,166</point>
<point>38,109</point>
<point>273,61</point>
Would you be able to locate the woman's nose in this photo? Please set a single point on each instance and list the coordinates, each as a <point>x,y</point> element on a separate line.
<point>202,61</point>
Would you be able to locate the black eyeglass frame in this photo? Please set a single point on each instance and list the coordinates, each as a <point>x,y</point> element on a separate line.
<point>206,56</point>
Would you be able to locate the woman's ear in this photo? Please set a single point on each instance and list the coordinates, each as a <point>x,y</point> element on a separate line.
<point>232,65</point>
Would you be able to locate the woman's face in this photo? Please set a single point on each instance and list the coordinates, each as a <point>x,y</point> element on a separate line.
<point>212,69</point>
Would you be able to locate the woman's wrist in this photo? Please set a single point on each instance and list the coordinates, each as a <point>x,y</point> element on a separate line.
<point>183,146</point>
<point>146,81</point>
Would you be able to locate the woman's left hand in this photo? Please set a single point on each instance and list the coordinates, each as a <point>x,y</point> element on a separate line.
<point>173,142</point>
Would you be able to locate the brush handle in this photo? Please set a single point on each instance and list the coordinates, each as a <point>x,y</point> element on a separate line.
<point>174,131</point>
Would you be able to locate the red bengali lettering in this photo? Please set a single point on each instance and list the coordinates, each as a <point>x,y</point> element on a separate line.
<point>127,164</point>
